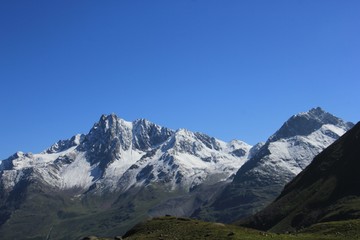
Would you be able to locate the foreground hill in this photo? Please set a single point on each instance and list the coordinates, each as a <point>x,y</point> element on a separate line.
<point>169,228</point>
<point>327,190</point>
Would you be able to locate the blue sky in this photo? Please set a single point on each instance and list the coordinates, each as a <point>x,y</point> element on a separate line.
<point>231,69</point>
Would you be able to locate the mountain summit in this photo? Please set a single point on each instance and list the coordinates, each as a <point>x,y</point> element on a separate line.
<point>285,154</point>
<point>327,190</point>
<point>303,124</point>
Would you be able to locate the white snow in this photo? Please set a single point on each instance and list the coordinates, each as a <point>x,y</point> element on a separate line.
<point>37,160</point>
<point>78,174</point>
<point>77,139</point>
<point>183,153</point>
<point>292,155</point>
<point>117,168</point>
<point>199,165</point>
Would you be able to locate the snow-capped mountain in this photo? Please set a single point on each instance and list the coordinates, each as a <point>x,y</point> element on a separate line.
<point>122,172</point>
<point>327,190</point>
<point>293,146</point>
<point>116,155</point>
<point>285,154</point>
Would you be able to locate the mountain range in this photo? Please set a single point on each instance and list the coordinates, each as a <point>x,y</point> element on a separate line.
<point>123,172</point>
<point>321,202</point>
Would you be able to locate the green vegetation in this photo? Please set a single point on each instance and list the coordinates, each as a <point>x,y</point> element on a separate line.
<point>238,201</point>
<point>349,229</point>
<point>43,214</point>
<point>184,228</point>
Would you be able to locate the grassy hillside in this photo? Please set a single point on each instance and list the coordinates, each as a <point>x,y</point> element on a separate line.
<point>187,229</point>
<point>44,214</point>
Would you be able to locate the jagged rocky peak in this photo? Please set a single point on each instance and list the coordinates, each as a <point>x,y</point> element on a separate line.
<point>105,141</point>
<point>238,148</point>
<point>147,135</point>
<point>185,141</point>
<point>15,160</point>
<point>140,134</point>
<point>109,130</point>
<point>181,141</point>
<point>255,149</point>
<point>112,136</point>
<point>208,141</point>
<point>113,125</point>
<point>303,124</point>
<point>7,164</point>
<point>65,144</point>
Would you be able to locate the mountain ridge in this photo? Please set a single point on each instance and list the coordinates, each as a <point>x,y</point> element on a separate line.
<point>122,172</point>
<point>112,140</point>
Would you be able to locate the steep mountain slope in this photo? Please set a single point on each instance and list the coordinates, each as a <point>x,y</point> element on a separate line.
<point>286,153</point>
<point>327,190</point>
<point>120,172</point>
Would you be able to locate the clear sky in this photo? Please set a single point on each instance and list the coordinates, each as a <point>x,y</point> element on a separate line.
<point>231,69</point>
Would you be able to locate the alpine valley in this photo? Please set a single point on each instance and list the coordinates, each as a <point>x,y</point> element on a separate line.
<point>121,173</point>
